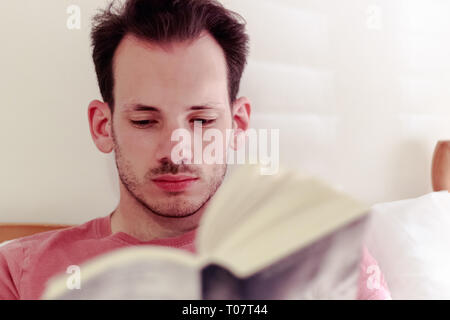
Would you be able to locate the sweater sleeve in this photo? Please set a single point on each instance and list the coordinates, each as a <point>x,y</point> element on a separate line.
<point>11,256</point>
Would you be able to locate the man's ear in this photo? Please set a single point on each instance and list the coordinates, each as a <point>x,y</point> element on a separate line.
<point>240,113</point>
<point>100,121</point>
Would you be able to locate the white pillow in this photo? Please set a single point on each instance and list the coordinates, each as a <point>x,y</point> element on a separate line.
<point>410,239</point>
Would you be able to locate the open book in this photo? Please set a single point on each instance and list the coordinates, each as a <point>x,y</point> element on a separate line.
<point>285,236</point>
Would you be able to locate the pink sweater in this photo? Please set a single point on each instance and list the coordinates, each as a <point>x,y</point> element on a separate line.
<point>27,263</point>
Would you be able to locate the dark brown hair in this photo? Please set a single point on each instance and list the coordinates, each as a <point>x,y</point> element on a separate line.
<point>163,21</point>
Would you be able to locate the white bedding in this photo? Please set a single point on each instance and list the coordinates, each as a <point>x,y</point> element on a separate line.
<point>411,241</point>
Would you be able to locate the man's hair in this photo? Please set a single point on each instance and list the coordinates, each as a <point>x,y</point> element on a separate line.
<point>165,21</point>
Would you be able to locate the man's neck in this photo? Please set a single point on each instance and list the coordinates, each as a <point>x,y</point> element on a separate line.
<point>144,228</point>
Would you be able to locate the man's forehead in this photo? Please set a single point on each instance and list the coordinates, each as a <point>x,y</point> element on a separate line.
<point>195,70</point>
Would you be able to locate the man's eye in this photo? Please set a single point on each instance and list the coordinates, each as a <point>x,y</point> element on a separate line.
<point>143,123</point>
<point>203,122</point>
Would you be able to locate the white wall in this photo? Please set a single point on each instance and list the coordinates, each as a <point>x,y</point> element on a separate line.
<point>359,89</point>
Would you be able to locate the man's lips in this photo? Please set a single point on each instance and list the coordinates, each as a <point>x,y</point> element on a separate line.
<point>174,183</point>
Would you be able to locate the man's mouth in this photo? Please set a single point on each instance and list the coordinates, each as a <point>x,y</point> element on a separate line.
<point>174,183</point>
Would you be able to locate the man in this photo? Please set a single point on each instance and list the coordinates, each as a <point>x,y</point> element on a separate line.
<point>161,65</point>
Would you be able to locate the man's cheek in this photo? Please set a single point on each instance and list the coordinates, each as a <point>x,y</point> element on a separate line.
<point>141,165</point>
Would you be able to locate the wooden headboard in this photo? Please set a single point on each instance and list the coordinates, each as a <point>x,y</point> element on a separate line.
<point>16,230</point>
<point>440,172</point>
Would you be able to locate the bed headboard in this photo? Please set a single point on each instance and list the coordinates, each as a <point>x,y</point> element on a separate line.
<point>15,230</point>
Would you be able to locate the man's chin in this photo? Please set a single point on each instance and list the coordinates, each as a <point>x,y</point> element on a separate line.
<point>178,212</point>
<point>175,215</point>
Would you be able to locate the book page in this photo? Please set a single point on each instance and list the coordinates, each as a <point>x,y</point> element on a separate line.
<point>237,199</point>
<point>134,273</point>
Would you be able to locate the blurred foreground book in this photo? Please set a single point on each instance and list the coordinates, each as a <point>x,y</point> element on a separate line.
<point>285,236</point>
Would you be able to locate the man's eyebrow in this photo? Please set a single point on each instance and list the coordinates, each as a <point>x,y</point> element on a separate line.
<point>141,107</point>
<point>205,106</point>
<point>200,108</point>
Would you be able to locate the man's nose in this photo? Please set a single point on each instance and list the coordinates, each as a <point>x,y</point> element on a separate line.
<point>166,146</point>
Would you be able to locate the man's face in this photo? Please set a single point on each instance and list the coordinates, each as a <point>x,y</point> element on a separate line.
<point>158,90</point>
